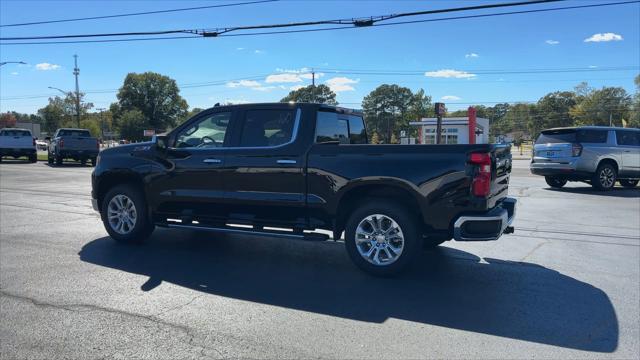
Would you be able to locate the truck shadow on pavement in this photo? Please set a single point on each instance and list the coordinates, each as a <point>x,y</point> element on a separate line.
<point>451,288</point>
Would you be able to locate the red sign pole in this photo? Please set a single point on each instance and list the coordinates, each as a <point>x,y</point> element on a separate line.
<point>472,124</point>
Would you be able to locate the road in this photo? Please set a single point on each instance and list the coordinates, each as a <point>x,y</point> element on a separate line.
<point>565,285</point>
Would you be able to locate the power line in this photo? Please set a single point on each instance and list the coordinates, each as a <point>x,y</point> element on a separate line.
<point>357,22</point>
<point>204,33</point>
<point>136,14</point>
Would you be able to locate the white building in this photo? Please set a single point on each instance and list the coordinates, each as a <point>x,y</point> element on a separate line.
<point>455,130</point>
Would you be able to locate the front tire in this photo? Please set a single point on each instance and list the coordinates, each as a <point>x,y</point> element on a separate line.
<point>124,215</point>
<point>555,182</point>
<point>382,237</point>
<point>58,160</point>
<point>629,183</point>
<point>605,177</point>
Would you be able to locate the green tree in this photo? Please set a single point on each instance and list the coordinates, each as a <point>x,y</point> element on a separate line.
<point>7,120</point>
<point>634,118</point>
<point>601,106</point>
<point>553,110</point>
<point>320,94</point>
<point>420,107</point>
<point>155,96</point>
<point>132,125</point>
<point>385,109</point>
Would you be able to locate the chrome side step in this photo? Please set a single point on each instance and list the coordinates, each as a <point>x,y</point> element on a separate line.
<point>251,231</point>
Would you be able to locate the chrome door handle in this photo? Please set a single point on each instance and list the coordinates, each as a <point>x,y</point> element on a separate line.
<point>284,161</point>
<point>212,161</point>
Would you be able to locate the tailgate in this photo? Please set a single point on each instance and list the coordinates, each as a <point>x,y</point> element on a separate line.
<point>79,143</point>
<point>16,142</point>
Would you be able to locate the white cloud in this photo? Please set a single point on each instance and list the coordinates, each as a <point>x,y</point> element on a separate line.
<point>449,73</point>
<point>263,88</point>
<point>14,73</point>
<point>283,78</point>
<point>552,42</point>
<point>450,97</point>
<point>603,37</point>
<point>239,48</point>
<point>296,87</point>
<point>592,66</point>
<point>472,55</point>
<point>46,66</point>
<point>243,83</point>
<point>338,84</point>
<point>233,101</point>
<point>258,51</point>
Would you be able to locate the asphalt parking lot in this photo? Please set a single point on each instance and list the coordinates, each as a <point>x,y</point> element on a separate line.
<point>565,285</point>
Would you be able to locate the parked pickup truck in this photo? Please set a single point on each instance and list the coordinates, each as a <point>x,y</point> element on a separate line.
<point>76,144</point>
<point>17,143</point>
<point>288,170</point>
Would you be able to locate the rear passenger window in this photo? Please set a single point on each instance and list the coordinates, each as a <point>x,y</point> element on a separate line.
<point>592,136</point>
<point>357,132</point>
<point>265,128</point>
<point>15,133</point>
<point>329,127</point>
<point>628,138</point>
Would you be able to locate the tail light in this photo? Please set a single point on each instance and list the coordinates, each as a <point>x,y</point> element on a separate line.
<point>576,150</point>
<point>481,184</point>
<point>61,143</point>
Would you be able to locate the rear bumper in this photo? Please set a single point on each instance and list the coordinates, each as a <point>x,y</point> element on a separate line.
<point>18,152</point>
<point>487,226</point>
<point>78,154</point>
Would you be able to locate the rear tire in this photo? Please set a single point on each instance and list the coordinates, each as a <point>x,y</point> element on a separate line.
<point>393,242</point>
<point>58,160</point>
<point>83,162</point>
<point>605,177</point>
<point>33,158</point>
<point>629,183</point>
<point>555,182</point>
<point>124,215</point>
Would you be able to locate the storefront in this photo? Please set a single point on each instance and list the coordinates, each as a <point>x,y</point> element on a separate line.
<point>455,130</point>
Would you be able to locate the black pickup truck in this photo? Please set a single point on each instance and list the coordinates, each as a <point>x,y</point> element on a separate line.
<point>289,170</point>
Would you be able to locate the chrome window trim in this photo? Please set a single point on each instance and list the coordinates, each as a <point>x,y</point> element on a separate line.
<point>294,136</point>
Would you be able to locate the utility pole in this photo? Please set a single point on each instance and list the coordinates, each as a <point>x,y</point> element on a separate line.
<point>101,122</point>
<point>313,85</point>
<point>610,119</point>
<point>76,72</point>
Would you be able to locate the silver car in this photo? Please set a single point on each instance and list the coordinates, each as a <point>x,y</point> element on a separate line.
<point>594,154</point>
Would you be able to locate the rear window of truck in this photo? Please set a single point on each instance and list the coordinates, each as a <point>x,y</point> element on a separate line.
<point>78,133</point>
<point>347,129</point>
<point>15,133</point>
<point>572,136</point>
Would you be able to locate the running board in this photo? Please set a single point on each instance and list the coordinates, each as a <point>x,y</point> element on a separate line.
<point>251,231</point>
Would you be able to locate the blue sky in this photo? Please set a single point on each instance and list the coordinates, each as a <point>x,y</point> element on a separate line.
<point>451,58</point>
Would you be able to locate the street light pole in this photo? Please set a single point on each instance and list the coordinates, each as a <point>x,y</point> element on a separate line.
<point>12,62</point>
<point>76,72</point>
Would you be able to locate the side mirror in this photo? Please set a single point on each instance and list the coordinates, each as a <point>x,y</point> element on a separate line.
<point>161,142</point>
<point>48,138</point>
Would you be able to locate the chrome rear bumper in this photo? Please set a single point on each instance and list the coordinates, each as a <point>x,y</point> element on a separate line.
<point>488,226</point>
